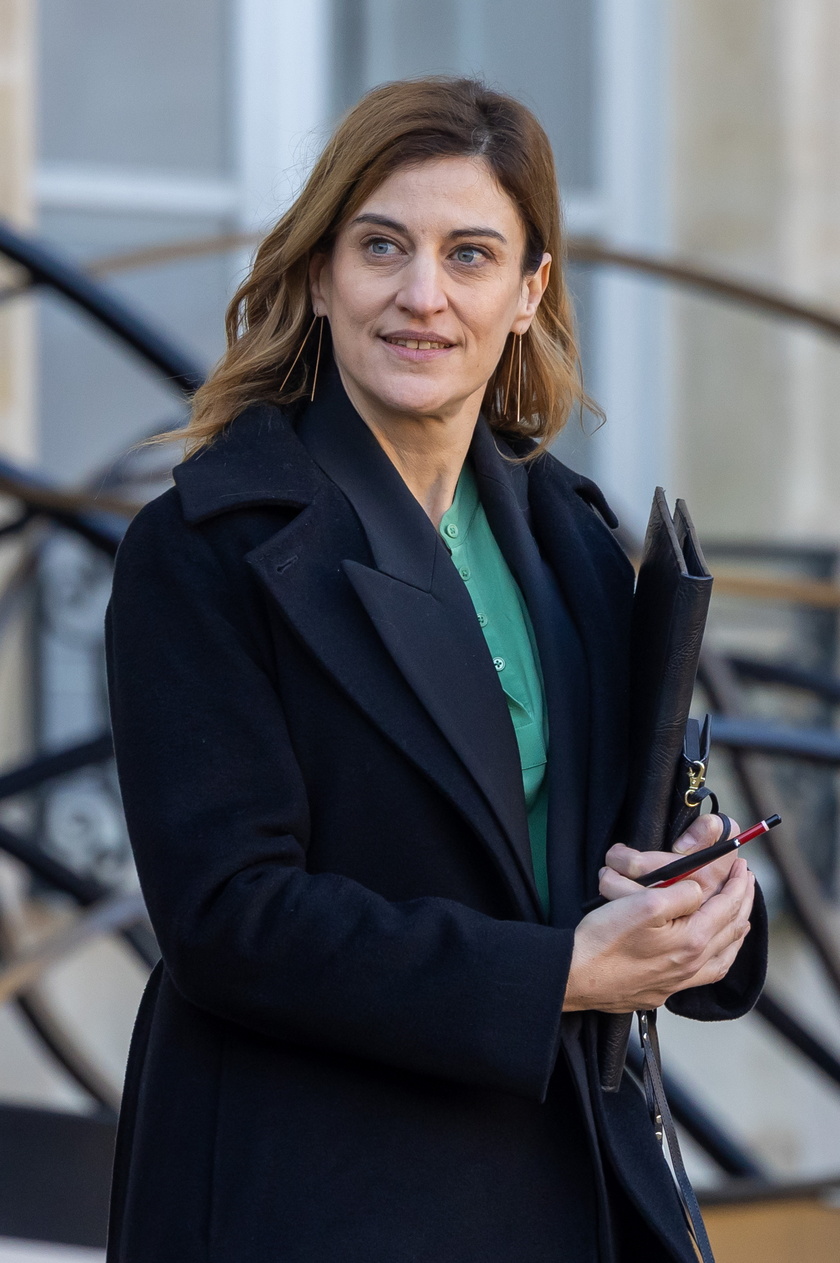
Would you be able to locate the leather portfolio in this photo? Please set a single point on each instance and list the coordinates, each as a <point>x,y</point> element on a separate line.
<point>669,753</point>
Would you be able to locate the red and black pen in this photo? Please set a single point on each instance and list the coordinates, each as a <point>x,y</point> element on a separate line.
<point>695,860</point>
<point>668,874</point>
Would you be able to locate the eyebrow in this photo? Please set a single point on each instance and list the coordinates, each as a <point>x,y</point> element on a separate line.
<point>382,221</point>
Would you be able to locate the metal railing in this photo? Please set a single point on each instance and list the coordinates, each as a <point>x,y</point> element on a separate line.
<point>100,520</point>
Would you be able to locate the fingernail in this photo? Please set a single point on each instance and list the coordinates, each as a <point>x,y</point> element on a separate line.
<point>681,847</point>
<point>601,872</point>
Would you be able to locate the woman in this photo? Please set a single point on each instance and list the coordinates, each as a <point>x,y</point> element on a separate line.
<point>369,789</point>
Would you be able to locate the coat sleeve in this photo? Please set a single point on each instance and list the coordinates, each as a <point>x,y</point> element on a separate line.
<point>218,819</point>
<point>735,994</point>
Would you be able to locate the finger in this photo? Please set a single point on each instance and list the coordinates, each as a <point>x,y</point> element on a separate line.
<point>661,905</point>
<point>655,907</point>
<point>703,832</point>
<point>631,863</point>
<point>715,969</point>
<point>730,936</point>
<point>724,908</point>
<point>616,885</point>
<point>635,864</point>
<point>713,877</point>
<point>723,951</point>
<point>712,958</point>
<point>742,916</point>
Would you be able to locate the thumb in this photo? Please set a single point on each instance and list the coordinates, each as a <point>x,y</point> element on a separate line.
<point>704,831</point>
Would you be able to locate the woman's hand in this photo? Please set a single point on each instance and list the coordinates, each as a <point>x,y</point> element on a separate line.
<point>644,945</point>
<point>705,831</point>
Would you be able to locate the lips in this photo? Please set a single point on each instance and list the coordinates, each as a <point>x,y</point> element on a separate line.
<point>425,341</point>
<point>413,345</point>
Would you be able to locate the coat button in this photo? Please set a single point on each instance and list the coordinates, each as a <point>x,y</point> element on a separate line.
<point>451,530</point>
<point>499,664</point>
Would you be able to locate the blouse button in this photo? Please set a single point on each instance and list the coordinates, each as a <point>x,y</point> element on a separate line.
<point>482,620</point>
<point>499,664</point>
<point>451,530</point>
<point>464,572</point>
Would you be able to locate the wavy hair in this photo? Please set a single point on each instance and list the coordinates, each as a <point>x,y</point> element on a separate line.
<point>269,356</point>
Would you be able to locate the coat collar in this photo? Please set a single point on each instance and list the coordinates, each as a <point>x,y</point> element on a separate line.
<point>255,461</point>
<point>404,543</point>
<point>258,460</point>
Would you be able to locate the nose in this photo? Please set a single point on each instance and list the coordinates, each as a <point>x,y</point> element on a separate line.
<point>421,291</point>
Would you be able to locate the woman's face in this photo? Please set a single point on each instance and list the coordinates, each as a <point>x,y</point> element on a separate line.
<point>422,288</point>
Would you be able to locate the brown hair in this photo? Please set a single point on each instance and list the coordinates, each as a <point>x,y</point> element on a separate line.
<point>395,125</point>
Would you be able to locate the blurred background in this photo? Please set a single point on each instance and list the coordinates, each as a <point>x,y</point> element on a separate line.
<point>143,148</point>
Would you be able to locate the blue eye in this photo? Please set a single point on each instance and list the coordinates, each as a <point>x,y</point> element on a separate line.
<point>380,248</point>
<point>468,254</point>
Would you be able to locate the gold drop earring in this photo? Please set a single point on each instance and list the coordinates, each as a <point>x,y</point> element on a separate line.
<point>509,375</point>
<point>317,357</point>
<point>300,353</point>
<point>518,354</point>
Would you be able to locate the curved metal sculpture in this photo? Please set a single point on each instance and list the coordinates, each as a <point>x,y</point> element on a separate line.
<point>100,520</point>
<point>45,267</point>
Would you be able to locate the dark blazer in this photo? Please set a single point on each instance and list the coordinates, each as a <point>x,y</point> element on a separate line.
<point>353,1050</point>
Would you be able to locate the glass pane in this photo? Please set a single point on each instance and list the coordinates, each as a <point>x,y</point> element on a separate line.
<point>543,53</point>
<point>95,397</point>
<point>131,84</point>
<point>409,39</point>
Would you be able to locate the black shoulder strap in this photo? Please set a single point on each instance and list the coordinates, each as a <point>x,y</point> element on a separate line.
<point>666,1132</point>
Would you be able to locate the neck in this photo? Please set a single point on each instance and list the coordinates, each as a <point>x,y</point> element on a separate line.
<point>429,462</point>
<point>427,451</point>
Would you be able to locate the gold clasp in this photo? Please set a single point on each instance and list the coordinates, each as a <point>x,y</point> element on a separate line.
<point>696,780</point>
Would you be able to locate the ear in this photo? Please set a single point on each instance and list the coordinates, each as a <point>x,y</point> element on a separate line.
<point>318,283</point>
<point>533,288</point>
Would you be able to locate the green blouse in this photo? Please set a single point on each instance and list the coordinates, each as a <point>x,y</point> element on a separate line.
<point>507,628</point>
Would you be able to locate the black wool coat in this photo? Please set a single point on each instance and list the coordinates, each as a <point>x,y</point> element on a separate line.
<point>353,1049</point>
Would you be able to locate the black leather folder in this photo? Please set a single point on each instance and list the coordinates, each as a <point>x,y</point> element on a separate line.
<point>668,754</point>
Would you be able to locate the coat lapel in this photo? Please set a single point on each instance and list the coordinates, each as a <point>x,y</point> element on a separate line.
<point>421,610</point>
<point>308,569</point>
<point>452,674</point>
